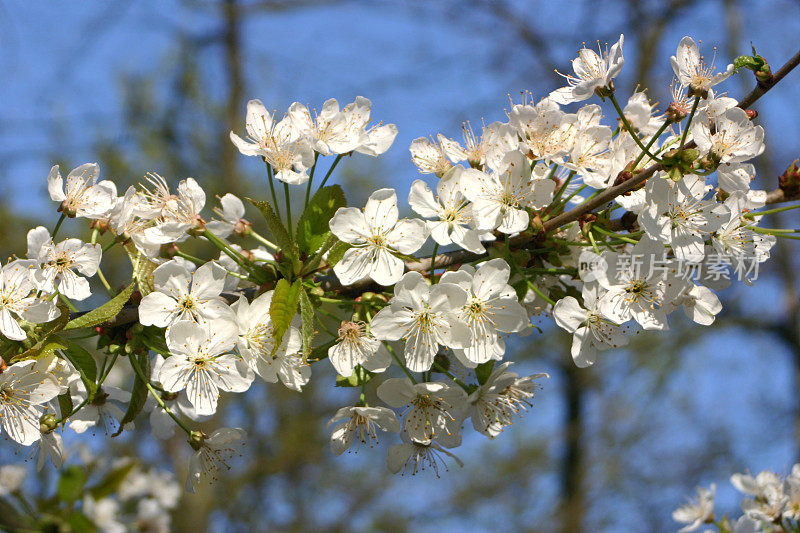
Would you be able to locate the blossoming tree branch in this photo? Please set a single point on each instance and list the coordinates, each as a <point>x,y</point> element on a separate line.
<point>607,228</point>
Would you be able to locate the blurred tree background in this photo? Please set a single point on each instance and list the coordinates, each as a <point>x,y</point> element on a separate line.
<point>142,86</point>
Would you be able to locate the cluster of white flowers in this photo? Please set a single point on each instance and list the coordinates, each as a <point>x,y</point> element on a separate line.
<point>142,499</point>
<point>504,204</point>
<point>771,505</point>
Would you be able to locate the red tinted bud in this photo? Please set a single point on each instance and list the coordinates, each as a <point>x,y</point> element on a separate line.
<point>168,251</point>
<point>789,181</point>
<point>676,113</point>
<point>751,113</point>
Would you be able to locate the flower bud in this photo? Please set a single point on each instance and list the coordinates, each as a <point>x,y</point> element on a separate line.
<point>196,439</point>
<point>47,423</point>
<point>99,225</point>
<point>66,209</point>
<point>242,227</point>
<point>751,113</point>
<point>198,227</point>
<point>675,113</point>
<point>168,251</point>
<point>789,181</point>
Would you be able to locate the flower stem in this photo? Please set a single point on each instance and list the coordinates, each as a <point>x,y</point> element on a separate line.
<point>58,225</point>
<point>433,262</point>
<point>157,396</point>
<point>655,137</point>
<point>311,178</point>
<point>397,359</point>
<point>630,128</point>
<point>262,240</point>
<point>272,190</point>
<point>330,170</point>
<point>689,122</point>
<point>288,208</point>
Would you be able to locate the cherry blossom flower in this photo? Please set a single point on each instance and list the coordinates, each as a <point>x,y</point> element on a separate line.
<point>593,72</point>
<point>499,199</point>
<point>18,299</point>
<point>698,512</point>
<point>425,317</point>
<point>103,410</point>
<point>184,295</point>
<point>59,261</point>
<point>202,363</point>
<point>355,347</point>
<point>491,309</point>
<point>735,140</point>
<point>178,214</point>
<point>212,452</point>
<point>24,393</point>
<point>691,70</point>
<point>417,457</point>
<point>375,234</point>
<point>679,215</point>
<point>451,207</point>
<point>494,403</point>
<point>433,409</point>
<point>256,344</point>
<point>81,195</point>
<point>375,140</point>
<point>359,424</point>
<point>279,143</point>
<point>636,288</point>
<point>591,329</point>
<point>231,218</point>
<point>430,157</point>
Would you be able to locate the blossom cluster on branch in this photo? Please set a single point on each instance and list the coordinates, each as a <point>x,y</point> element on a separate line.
<point>605,228</point>
<point>771,504</point>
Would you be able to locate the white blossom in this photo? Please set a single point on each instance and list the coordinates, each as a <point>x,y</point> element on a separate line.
<point>24,393</point>
<point>180,294</point>
<point>60,261</point>
<point>355,347</point>
<point>425,317</point>
<point>212,453</point>
<point>18,299</point>
<point>82,195</point>
<point>202,363</point>
<point>359,424</point>
<point>376,235</point>
<point>593,71</point>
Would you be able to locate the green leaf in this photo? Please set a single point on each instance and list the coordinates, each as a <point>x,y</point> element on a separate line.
<point>138,392</point>
<point>337,252</point>
<point>65,404</point>
<point>111,482</point>
<point>313,227</point>
<point>105,312</point>
<point>142,269</point>
<point>358,378</point>
<point>43,333</point>
<point>84,363</point>
<point>153,338</point>
<point>307,329</point>
<point>321,352</point>
<point>278,230</point>
<point>483,371</point>
<point>283,308</point>
<point>70,484</point>
<point>79,523</point>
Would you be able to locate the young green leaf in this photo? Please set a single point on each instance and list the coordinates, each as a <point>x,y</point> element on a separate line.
<point>70,484</point>
<point>112,481</point>
<point>105,312</point>
<point>65,404</point>
<point>337,252</point>
<point>142,269</point>
<point>85,365</point>
<point>307,329</point>
<point>138,393</point>
<point>283,308</point>
<point>313,227</point>
<point>282,237</point>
